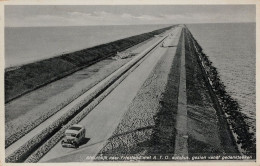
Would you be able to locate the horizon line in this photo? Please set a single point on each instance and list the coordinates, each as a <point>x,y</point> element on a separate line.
<point>123,24</point>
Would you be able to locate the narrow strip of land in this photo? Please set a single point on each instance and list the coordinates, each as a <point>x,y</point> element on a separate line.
<point>181,144</point>
<point>147,126</point>
<point>207,128</point>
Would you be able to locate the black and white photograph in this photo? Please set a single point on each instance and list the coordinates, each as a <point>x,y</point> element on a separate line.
<point>129,83</point>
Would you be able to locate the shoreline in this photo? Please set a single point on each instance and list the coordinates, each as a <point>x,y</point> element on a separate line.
<point>230,111</point>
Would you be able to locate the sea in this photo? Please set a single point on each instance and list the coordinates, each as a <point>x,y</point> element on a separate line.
<point>230,46</point>
<point>232,49</point>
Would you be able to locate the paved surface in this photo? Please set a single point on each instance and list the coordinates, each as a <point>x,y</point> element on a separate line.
<point>103,119</point>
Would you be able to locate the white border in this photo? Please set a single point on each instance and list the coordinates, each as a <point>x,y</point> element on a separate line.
<point>128,2</point>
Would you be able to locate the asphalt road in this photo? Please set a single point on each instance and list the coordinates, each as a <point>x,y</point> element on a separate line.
<point>101,122</point>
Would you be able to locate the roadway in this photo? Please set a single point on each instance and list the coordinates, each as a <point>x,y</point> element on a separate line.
<point>102,121</point>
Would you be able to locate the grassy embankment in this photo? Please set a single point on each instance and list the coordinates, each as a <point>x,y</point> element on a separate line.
<point>148,125</point>
<point>34,75</point>
<point>230,107</point>
<point>208,133</point>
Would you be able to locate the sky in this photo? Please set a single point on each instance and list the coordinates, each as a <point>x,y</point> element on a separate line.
<point>45,15</point>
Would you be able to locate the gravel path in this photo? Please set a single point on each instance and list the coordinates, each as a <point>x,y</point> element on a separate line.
<point>136,132</point>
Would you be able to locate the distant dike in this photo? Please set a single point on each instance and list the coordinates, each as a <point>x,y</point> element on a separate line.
<point>26,78</point>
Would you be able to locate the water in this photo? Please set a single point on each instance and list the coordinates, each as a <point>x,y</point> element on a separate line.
<point>232,49</point>
<point>28,44</point>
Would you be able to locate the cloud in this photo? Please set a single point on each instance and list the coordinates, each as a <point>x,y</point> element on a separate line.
<point>79,14</point>
<point>102,14</point>
<point>106,17</point>
<point>148,17</point>
<point>93,18</point>
<point>98,15</point>
<point>40,20</point>
<point>127,15</point>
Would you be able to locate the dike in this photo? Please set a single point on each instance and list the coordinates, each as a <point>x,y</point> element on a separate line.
<point>230,114</point>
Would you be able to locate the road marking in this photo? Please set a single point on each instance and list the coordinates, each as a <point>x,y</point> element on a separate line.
<point>181,142</point>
